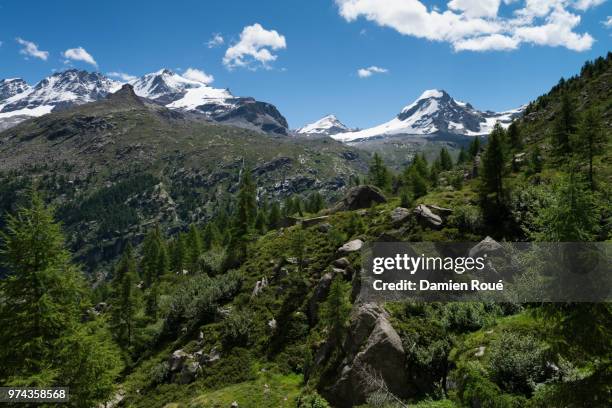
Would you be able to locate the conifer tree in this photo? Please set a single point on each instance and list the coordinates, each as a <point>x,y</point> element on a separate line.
<point>261,222</point>
<point>379,174</point>
<point>446,163</point>
<point>247,204</point>
<point>474,148</point>
<point>125,298</point>
<point>564,127</point>
<point>463,156</point>
<point>336,309</point>
<point>493,165</point>
<point>275,216</point>
<point>514,136</point>
<point>194,249</point>
<point>178,254</point>
<point>591,140</point>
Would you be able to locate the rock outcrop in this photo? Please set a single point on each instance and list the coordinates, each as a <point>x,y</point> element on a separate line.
<point>426,217</point>
<point>360,197</point>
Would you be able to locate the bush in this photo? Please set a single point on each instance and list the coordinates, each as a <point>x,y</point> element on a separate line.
<point>467,218</point>
<point>466,317</point>
<point>313,400</point>
<point>518,362</point>
<point>236,329</point>
<point>478,391</point>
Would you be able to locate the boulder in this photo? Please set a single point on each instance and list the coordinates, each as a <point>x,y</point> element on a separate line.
<point>351,246</point>
<point>426,217</point>
<point>360,197</point>
<point>259,286</point>
<point>375,355</point>
<point>190,371</point>
<point>324,228</point>
<point>487,246</point>
<point>177,359</point>
<point>341,263</point>
<point>399,215</point>
<point>440,211</point>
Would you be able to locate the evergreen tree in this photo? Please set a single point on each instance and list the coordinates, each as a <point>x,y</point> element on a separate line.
<point>446,162</point>
<point>315,203</point>
<point>179,252</point>
<point>151,251</point>
<point>434,172</point>
<point>514,136</point>
<point>247,205</point>
<point>275,216</point>
<point>261,222</point>
<point>591,141</point>
<point>125,298</point>
<point>43,298</point>
<point>335,311</point>
<point>564,127</point>
<point>420,165</point>
<point>493,165</point>
<point>474,148</point>
<point>535,161</point>
<point>463,156</point>
<point>194,249</point>
<point>379,174</point>
<point>151,305</point>
<point>298,246</point>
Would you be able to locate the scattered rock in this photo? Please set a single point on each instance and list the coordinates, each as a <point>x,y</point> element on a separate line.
<point>426,217</point>
<point>341,263</point>
<point>351,246</point>
<point>272,324</point>
<point>234,405</point>
<point>486,246</point>
<point>399,215</point>
<point>360,197</point>
<point>176,360</point>
<point>259,286</point>
<point>480,352</point>
<point>440,211</point>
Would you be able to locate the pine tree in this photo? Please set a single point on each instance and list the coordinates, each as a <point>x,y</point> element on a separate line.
<point>446,163</point>
<point>42,296</point>
<point>45,344</point>
<point>474,148</point>
<point>178,253</point>
<point>125,298</point>
<point>463,156</point>
<point>298,246</point>
<point>315,203</point>
<point>379,175</point>
<point>194,249</point>
<point>261,222</point>
<point>420,165</point>
<point>247,205</point>
<point>591,140</point>
<point>336,309</point>
<point>514,136</point>
<point>493,165</point>
<point>151,305</point>
<point>275,216</point>
<point>564,127</point>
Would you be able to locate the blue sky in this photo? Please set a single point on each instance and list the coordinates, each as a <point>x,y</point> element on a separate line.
<point>484,56</point>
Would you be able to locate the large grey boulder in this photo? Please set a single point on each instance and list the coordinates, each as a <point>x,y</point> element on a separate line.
<point>487,246</point>
<point>351,246</point>
<point>375,358</point>
<point>426,217</point>
<point>319,295</point>
<point>399,215</point>
<point>360,197</point>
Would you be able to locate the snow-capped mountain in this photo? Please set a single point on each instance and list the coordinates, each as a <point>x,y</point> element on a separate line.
<point>58,91</point>
<point>435,112</point>
<point>19,101</point>
<point>326,126</point>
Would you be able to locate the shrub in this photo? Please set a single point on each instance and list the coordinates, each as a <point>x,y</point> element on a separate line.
<point>236,329</point>
<point>467,218</point>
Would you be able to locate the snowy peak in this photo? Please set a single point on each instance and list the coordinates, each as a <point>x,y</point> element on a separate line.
<point>436,112</point>
<point>12,86</point>
<point>167,87</point>
<point>326,126</point>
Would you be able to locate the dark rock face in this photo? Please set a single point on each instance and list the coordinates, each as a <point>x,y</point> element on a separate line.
<point>12,87</point>
<point>260,114</point>
<point>360,197</point>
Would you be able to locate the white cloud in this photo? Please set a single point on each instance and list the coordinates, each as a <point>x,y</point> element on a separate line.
<point>367,72</point>
<point>79,54</point>
<point>608,22</point>
<point>478,25</point>
<point>198,75</point>
<point>216,41</point>
<point>121,76</point>
<point>31,49</point>
<point>254,48</point>
<point>587,4</point>
<point>475,8</point>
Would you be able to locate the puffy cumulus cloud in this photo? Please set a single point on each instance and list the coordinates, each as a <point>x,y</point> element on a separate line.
<point>198,75</point>
<point>30,49</point>
<point>607,22</point>
<point>79,54</point>
<point>253,48</point>
<point>369,71</point>
<point>217,40</point>
<point>122,76</point>
<point>480,25</point>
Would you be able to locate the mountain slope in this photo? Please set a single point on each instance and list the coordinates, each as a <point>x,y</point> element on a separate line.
<point>435,112</point>
<point>115,166</point>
